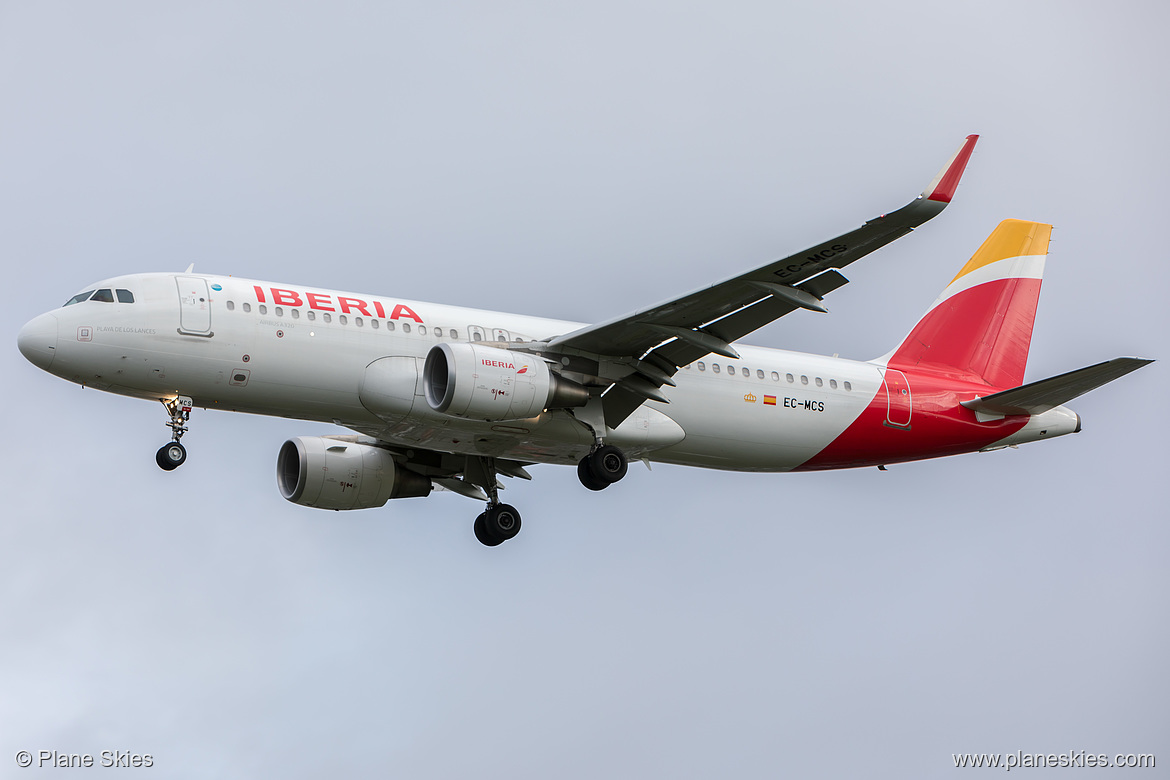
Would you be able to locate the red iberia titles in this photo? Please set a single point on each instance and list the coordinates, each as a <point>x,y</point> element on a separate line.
<point>498,364</point>
<point>340,304</point>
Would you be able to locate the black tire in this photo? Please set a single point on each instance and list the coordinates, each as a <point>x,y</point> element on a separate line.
<point>481,532</point>
<point>587,477</point>
<point>608,463</point>
<point>501,521</point>
<point>170,456</point>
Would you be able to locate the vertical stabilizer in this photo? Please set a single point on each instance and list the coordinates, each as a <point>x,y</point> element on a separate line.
<point>981,325</point>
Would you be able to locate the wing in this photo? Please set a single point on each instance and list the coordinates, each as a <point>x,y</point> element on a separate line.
<point>637,354</point>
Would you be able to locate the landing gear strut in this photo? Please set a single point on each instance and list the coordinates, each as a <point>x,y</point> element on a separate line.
<point>500,522</point>
<point>170,456</point>
<point>603,466</point>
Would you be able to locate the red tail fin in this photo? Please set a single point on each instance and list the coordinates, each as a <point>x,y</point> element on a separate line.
<point>981,325</point>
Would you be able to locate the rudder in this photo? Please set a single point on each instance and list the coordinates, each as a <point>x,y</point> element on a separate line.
<point>981,325</point>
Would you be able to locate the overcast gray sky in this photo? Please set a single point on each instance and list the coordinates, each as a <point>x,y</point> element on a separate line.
<point>579,161</point>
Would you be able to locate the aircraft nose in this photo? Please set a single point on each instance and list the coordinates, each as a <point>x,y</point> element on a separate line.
<point>37,340</point>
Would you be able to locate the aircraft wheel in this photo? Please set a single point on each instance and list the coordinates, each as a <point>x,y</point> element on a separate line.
<point>170,456</point>
<point>501,521</point>
<point>587,477</point>
<point>481,532</point>
<point>608,463</point>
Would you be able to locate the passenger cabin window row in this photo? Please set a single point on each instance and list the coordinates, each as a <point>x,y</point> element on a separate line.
<point>104,295</point>
<point>789,378</point>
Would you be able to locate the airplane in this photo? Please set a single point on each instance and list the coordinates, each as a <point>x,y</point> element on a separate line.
<point>450,398</point>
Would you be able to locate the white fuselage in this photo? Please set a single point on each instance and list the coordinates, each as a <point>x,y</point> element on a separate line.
<point>245,348</point>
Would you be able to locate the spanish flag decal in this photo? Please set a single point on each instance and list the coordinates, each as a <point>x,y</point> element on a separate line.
<point>769,400</point>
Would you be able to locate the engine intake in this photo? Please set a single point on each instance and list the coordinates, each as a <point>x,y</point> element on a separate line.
<point>333,473</point>
<point>487,383</point>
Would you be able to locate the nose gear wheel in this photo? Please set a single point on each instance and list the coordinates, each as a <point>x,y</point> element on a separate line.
<point>170,456</point>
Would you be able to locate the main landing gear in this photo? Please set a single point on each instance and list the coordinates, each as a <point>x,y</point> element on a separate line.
<point>497,525</point>
<point>170,456</point>
<point>604,465</point>
<point>500,522</point>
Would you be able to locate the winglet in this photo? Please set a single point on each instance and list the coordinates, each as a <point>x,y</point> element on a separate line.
<point>942,189</point>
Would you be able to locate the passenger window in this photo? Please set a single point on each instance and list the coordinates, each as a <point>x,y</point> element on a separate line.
<point>833,383</point>
<point>406,327</point>
<point>341,318</point>
<point>105,295</point>
<point>278,311</point>
<point>327,317</point>
<point>747,372</point>
<point>389,324</point>
<point>231,306</point>
<point>125,296</point>
<point>775,377</point>
<point>715,367</point>
<point>247,307</point>
<point>296,313</point>
<point>358,321</point>
<point>759,373</point>
<point>312,315</point>
<point>730,370</point>
<point>848,386</point>
<point>790,378</point>
<point>422,330</point>
<point>702,366</point>
<point>803,379</point>
<point>79,298</point>
<point>374,324</point>
<point>819,382</point>
<point>263,309</point>
<point>454,333</point>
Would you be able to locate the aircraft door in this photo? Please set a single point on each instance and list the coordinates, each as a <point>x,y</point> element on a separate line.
<point>194,306</point>
<point>899,401</point>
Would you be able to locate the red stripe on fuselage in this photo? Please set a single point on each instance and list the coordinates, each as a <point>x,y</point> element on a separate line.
<point>938,426</point>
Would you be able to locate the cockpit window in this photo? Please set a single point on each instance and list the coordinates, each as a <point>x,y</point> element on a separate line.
<point>105,295</point>
<point>125,296</point>
<point>79,298</point>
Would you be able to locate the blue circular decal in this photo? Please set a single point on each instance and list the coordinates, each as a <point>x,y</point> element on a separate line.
<point>216,287</point>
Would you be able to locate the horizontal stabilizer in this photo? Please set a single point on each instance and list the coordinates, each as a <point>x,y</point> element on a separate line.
<point>1039,397</point>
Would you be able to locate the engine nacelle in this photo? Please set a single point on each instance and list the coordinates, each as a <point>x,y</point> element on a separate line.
<point>487,383</point>
<point>334,473</point>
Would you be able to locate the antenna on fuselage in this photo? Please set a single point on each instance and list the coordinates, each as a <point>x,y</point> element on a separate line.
<point>190,268</point>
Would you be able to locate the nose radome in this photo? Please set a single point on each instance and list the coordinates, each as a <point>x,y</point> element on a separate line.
<point>37,340</point>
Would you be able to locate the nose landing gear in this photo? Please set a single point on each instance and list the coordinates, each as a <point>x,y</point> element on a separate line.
<point>170,456</point>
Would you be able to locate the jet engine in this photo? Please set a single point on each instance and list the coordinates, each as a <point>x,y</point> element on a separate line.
<point>487,383</point>
<point>336,473</point>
